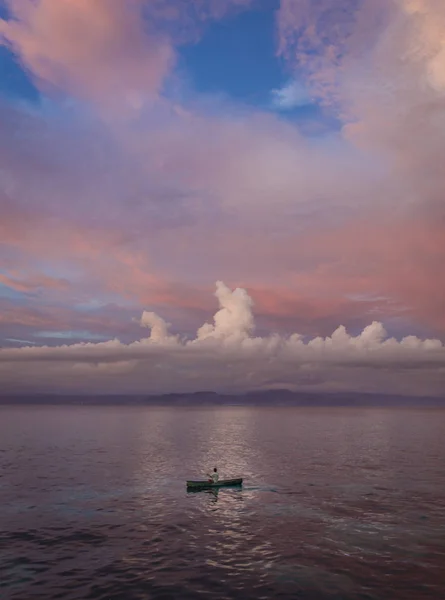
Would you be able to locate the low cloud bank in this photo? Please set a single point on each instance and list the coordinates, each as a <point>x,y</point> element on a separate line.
<point>227,356</point>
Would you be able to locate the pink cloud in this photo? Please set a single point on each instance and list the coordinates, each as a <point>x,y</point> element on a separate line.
<point>317,38</point>
<point>273,223</point>
<point>126,50</point>
<point>388,85</point>
<point>184,19</point>
<point>400,260</point>
<point>27,284</point>
<point>22,320</point>
<point>97,49</point>
<point>342,230</point>
<point>226,355</point>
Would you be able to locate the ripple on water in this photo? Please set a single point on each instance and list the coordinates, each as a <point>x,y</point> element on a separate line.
<point>96,507</point>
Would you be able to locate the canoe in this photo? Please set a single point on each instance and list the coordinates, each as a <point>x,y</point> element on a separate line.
<point>221,483</point>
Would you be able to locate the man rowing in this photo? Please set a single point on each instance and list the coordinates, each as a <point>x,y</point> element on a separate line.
<point>214,477</point>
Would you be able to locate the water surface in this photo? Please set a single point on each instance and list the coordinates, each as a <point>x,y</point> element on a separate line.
<point>337,504</point>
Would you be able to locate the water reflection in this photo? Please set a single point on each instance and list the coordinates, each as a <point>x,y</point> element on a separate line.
<point>95,505</point>
<point>213,493</point>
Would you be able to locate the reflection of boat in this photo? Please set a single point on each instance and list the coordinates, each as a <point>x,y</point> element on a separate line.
<point>199,490</point>
<point>207,484</point>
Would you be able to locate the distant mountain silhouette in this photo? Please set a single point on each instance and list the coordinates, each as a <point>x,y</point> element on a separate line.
<point>282,397</point>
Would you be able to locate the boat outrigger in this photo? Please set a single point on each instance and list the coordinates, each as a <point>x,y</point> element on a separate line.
<point>208,484</point>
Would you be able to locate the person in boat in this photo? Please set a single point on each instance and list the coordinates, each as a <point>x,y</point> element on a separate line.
<point>214,477</point>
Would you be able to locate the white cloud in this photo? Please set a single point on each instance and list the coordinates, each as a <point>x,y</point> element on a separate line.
<point>290,96</point>
<point>225,356</point>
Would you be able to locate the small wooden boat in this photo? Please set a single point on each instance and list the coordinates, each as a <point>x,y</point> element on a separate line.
<point>208,484</point>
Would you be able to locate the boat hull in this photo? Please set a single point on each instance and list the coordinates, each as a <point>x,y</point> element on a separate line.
<point>222,483</point>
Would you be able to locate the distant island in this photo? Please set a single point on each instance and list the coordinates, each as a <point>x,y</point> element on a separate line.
<point>254,398</point>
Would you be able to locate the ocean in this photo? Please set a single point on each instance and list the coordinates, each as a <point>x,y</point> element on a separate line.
<point>337,504</point>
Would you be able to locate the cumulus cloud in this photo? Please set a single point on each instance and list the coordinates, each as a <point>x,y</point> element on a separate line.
<point>234,320</point>
<point>347,227</point>
<point>157,326</point>
<point>227,357</point>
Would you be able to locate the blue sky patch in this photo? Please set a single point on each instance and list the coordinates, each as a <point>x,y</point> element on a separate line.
<point>70,335</point>
<point>14,82</point>
<point>237,57</point>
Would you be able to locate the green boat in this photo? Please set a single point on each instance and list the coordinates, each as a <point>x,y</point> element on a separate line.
<point>208,484</point>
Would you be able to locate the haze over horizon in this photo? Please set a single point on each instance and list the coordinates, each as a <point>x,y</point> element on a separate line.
<point>289,151</point>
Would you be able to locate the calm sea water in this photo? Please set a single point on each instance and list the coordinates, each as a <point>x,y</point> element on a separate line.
<point>337,504</point>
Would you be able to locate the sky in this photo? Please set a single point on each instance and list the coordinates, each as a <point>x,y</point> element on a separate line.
<point>222,195</point>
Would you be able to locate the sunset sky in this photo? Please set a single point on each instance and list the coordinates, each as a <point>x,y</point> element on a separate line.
<point>288,155</point>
